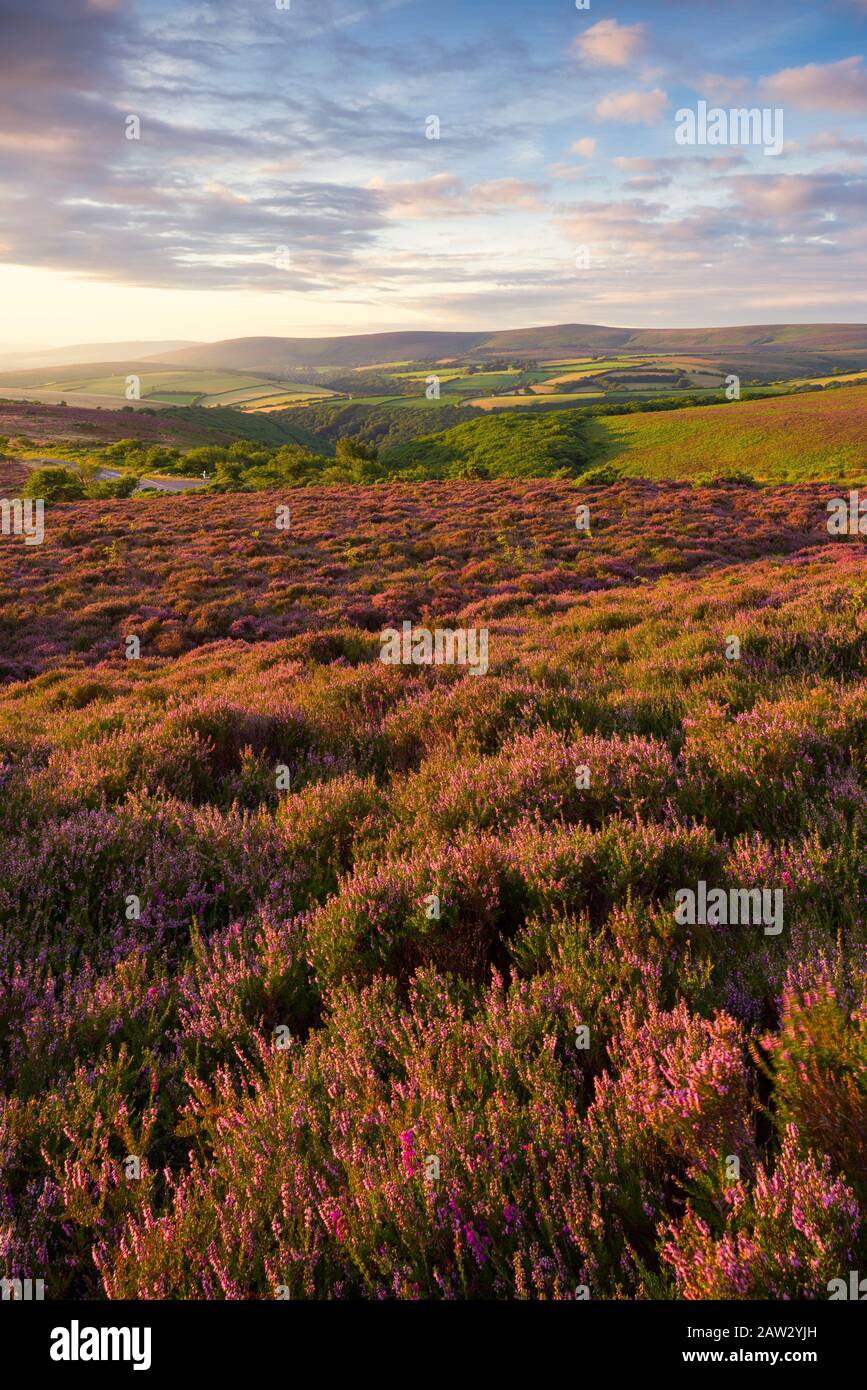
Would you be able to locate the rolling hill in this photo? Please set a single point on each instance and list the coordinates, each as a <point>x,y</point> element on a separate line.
<point>820,435</point>
<point>15,359</point>
<point>369,349</point>
<point>372,349</point>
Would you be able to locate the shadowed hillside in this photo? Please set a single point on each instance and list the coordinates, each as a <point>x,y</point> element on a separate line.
<point>282,354</point>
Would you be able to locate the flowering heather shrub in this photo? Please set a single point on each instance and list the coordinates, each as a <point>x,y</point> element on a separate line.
<point>681,1096</point>
<point>187,571</point>
<point>535,775</point>
<point>819,1059</point>
<point>565,869</point>
<point>758,767</point>
<point>244,979</point>
<point>470,718</point>
<point>787,1238</point>
<point>308,1189</point>
<point>379,920</point>
<point>385,997</point>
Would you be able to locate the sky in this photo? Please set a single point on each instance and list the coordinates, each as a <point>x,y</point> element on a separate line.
<point>286,178</point>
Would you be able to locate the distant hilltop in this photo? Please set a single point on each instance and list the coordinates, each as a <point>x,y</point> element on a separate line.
<point>373,349</point>
<point>79,354</point>
<point>280,357</point>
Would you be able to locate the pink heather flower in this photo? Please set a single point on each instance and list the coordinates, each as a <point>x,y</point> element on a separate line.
<point>408,1154</point>
<point>512,1216</point>
<point>477,1243</point>
<point>337,1222</point>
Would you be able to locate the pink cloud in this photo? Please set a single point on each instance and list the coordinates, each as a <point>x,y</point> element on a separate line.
<point>567,173</point>
<point>715,87</point>
<point>773,196</point>
<point>505,193</point>
<point>443,193</point>
<point>821,87</point>
<point>586,147</point>
<point>829,200</point>
<point>829,140</point>
<point>643,183</point>
<point>633,108</point>
<point>447,195</point>
<point>632,164</point>
<point>609,44</point>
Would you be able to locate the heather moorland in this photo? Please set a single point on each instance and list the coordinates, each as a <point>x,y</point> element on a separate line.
<point>433,678</point>
<point>242,1051</point>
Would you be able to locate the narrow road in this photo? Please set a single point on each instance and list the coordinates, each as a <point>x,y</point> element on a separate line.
<point>158,484</point>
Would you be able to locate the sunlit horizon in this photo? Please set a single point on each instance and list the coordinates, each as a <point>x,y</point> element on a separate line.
<point>285,178</point>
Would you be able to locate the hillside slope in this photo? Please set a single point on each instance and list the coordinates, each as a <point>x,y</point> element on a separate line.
<point>80,429</point>
<point>820,435</point>
<point>282,354</point>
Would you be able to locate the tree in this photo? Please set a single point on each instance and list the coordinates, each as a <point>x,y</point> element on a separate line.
<point>359,461</point>
<point>352,449</point>
<point>54,485</point>
<point>113,487</point>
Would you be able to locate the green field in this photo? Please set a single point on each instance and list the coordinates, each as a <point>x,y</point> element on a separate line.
<point>162,387</point>
<point>560,398</point>
<point>456,380</point>
<point>795,438</point>
<point>600,364</point>
<point>285,400</point>
<point>480,381</point>
<point>388,400</point>
<point>156,383</point>
<point>444,373</point>
<point>240,396</point>
<point>391,397</point>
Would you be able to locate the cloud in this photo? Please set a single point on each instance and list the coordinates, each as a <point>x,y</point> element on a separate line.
<point>631,164</point>
<point>236,160</point>
<point>570,173</point>
<point>716,88</point>
<point>611,45</point>
<point>632,224</point>
<point>821,87</point>
<point>647,174</point>
<point>724,162</point>
<point>697,163</point>
<point>829,141</point>
<point>821,201</point>
<point>811,224</point>
<point>442,194</point>
<point>633,108</point>
<point>645,183</point>
<point>506,193</point>
<point>840,86</point>
<point>229,164</point>
<point>447,195</point>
